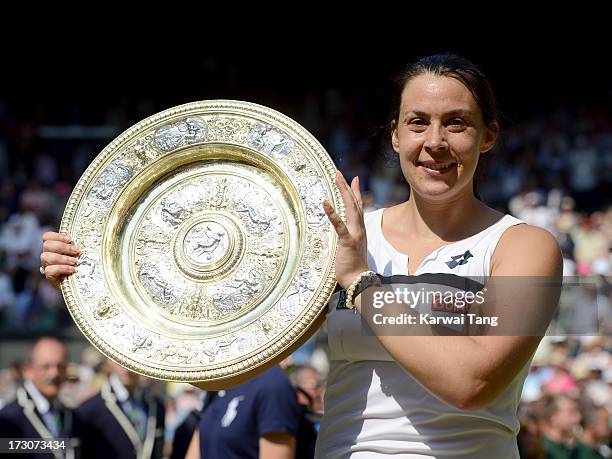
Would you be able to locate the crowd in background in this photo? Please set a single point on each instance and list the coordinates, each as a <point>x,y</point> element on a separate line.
<point>553,171</point>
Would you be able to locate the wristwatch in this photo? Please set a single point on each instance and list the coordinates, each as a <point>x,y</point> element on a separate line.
<point>366,279</point>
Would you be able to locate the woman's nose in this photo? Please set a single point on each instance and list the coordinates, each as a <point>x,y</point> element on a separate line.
<point>436,138</point>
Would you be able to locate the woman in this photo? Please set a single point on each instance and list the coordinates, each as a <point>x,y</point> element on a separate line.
<point>426,396</point>
<point>433,396</point>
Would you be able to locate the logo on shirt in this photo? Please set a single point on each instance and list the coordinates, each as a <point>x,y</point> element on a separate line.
<point>232,411</point>
<point>459,259</point>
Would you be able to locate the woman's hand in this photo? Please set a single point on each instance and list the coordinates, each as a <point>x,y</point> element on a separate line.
<point>58,258</point>
<point>351,254</point>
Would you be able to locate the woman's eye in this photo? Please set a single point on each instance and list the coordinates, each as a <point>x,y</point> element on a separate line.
<point>456,122</point>
<point>418,122</point>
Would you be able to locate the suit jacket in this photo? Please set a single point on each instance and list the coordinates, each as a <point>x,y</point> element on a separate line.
<point>21,419</point>
<point>108,433</point>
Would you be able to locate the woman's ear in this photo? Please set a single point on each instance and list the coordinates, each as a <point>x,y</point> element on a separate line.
<point>394,137</point>
<point>490,137</point>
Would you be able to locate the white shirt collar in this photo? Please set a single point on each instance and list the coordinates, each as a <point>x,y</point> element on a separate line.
<point>119,389</point>
<point>40,401</point>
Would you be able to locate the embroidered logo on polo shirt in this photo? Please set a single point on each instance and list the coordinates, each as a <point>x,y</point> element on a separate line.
<point>232,411</point>
<point>459,259</point>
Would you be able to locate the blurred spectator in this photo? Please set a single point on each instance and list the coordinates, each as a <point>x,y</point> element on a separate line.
<point>123,421</point>
<point>6,388</point>
<point>595,435</point>
<point>568,219</point>
<point>259,418</point>
<point>533,212</point>
<point>560,381</point>
<point>37,412</point>
<point>529,439</point>
<point>593,355</point>
<point>590,245</point>
<point>558,418</point>
<point>307,382</point>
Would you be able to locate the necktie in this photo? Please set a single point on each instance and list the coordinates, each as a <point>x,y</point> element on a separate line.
<point>136,415</point>
<point>52,420</point>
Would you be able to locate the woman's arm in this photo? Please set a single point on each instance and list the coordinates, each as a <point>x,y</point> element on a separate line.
<point>277,446</point>
<point>193,452</point>
<point>471,371</point>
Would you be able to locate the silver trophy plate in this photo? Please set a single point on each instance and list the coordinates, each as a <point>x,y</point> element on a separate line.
<point>206,254</point>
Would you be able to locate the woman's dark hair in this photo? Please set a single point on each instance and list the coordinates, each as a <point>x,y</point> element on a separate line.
<point>452,66</point>
<point>457,67</point>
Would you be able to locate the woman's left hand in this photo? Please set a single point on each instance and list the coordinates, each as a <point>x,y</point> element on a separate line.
<point>351,254</point>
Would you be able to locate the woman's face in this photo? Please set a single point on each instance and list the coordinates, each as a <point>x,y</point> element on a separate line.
<point>439,136</point>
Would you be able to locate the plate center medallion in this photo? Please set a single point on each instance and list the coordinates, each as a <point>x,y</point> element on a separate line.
<point>208,246</point>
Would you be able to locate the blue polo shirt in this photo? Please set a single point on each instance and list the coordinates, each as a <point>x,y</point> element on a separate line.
<point>234,420</point>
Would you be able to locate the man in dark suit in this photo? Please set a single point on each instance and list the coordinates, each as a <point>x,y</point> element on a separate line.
<point>37,411</point>
<point>122,421</point>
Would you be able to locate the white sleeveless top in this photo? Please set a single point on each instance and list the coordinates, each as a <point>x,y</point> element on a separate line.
<point>373,408</point>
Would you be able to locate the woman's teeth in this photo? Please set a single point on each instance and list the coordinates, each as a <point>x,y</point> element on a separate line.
<point>438,167</point>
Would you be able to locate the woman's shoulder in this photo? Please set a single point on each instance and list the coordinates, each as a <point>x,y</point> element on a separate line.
<point>529,249</point>
<point>524,234</point>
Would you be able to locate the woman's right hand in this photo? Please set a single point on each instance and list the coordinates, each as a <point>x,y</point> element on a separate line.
<point>59,257</point>
<point>352,250</point>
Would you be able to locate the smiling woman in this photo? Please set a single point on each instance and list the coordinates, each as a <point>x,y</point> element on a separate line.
<point>421,395</point>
